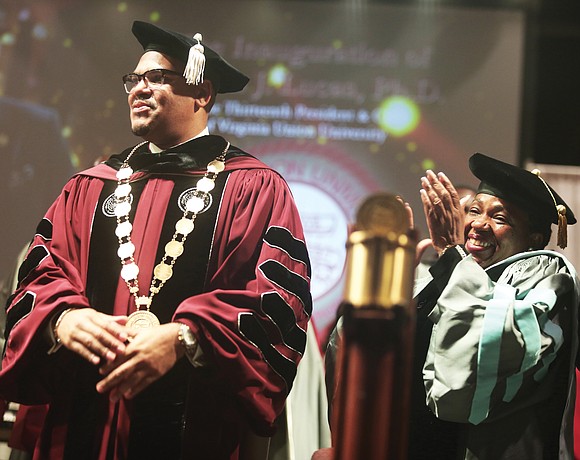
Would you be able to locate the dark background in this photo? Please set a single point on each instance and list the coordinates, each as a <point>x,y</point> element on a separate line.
<point>551,123</point>
<point>550,131</point>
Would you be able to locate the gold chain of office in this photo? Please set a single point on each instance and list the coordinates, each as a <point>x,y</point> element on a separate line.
<point>163,271</point>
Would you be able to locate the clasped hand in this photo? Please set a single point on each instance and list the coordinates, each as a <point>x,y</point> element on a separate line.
<point>444,213</point>
<point>129,359</point>
<point>443,210</point>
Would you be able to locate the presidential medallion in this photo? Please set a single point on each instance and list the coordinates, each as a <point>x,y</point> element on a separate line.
<point>142,319</point>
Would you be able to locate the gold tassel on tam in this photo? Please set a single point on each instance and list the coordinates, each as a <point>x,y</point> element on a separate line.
<point>195,63</point>
<point>562,241</point>
<point>562,226</point>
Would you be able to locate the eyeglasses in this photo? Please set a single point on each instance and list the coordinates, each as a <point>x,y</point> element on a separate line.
<point>154,77</point>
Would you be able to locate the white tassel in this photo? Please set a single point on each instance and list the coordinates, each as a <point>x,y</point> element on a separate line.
<point>195,63</point>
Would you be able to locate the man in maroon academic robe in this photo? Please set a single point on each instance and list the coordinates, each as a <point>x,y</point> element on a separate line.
<point>230,291</point>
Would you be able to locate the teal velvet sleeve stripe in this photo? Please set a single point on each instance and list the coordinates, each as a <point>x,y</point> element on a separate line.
<point>513,384</point>
<point>489,351</point>
<point>527,323</point>
<point>554,331</point>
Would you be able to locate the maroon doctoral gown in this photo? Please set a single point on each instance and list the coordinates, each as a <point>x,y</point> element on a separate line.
<point>242,285</point>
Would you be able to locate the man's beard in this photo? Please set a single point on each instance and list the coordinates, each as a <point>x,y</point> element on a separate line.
<point>141,130</point>
<point>143,126</point>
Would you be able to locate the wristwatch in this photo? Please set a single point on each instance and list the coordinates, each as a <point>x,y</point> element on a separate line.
<point>186,338</point>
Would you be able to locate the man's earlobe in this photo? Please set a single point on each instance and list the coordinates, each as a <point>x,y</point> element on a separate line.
<point>204,94</point>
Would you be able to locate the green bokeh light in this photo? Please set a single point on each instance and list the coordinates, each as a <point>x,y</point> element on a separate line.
<point>277,76</point>
<point>428,163</point>
<point>7,38</point>
<point>398,115</point>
